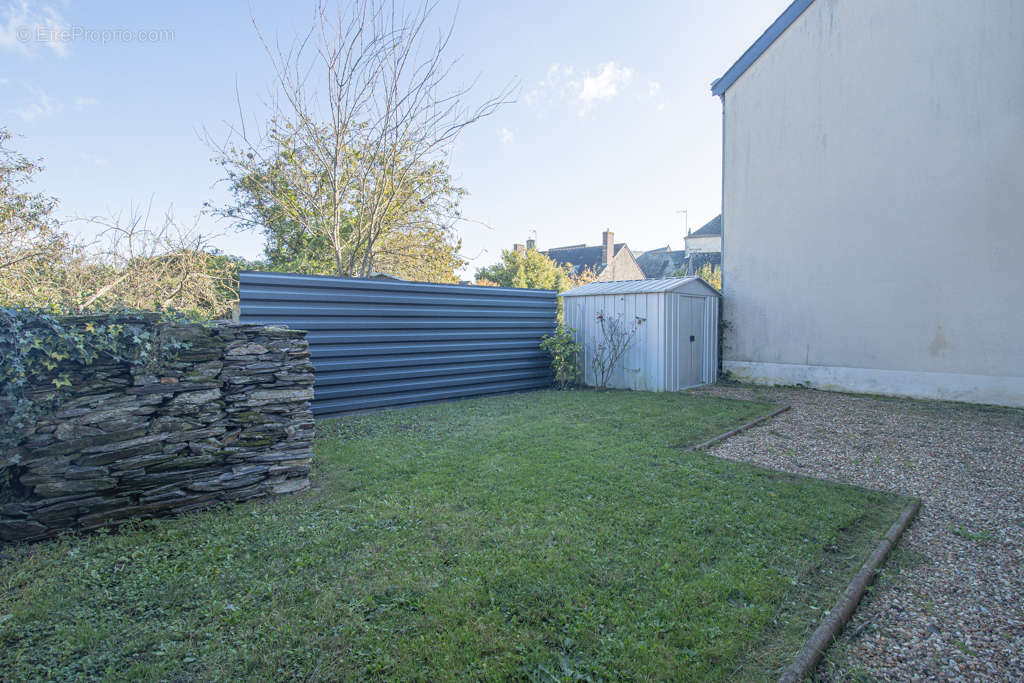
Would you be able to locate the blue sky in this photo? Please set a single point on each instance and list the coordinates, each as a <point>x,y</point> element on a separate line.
<point>614,126</point>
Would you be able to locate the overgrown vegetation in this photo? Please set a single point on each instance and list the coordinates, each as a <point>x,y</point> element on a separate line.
<point>348,175</point>
<point>547,536</point>
<point>417,242</point>
<point>137,262</point>
<point>529,269</point>
<point>565,355</point>
<point>30,237</point>
<point>711,274</point>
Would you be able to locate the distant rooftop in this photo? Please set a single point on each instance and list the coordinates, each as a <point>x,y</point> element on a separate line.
<point>712,227</point>
<point>581,256</point>
<point>661,263</point>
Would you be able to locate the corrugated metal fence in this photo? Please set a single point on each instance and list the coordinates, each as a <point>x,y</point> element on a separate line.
<point>384,342</point>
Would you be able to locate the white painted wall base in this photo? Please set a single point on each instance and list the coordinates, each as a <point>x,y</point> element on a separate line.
<point>1004,391</point>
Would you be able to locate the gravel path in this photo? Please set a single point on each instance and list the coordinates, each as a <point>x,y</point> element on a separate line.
<point>949,604</point>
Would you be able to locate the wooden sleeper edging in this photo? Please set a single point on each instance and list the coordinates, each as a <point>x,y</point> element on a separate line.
<point>828,630</point>
<point>741,428</point>
<point>814,648</point>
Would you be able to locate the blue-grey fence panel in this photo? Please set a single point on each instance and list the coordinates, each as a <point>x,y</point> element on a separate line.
<point>379,343</point>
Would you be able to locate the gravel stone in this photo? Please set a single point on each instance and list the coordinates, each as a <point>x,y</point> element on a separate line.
<point>949,603</point>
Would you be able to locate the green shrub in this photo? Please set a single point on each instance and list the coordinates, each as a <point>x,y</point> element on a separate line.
<point>565,355</point>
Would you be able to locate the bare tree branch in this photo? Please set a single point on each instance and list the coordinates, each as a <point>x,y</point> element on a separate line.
<point>361,124</point>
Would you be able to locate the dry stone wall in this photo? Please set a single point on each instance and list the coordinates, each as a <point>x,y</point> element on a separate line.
<point>226,419</point>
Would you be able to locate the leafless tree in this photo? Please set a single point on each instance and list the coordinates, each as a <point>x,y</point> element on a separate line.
<point>359,130</point>
<point>144,263</point>
<point>616,337</point>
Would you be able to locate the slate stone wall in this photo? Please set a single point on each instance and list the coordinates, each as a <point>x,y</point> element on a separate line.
<point>227,418</point>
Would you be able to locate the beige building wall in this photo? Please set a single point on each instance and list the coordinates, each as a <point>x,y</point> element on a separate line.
<point>872,199</point>
<point>703,244</point>
<point>623,266</point>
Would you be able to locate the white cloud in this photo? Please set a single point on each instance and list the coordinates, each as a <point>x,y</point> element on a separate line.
<point>561,82</point>
<point>25,27</point>
<point>604,85</point>
<point>92,159</point>
<point>557,82</point>
<point>557,74</point>
<point>42,105</point>
<point>82,103</point>
<point>506,135</point>
<point>653,88</point>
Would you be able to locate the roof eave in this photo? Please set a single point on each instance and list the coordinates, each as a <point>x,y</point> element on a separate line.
<point>778,27</point>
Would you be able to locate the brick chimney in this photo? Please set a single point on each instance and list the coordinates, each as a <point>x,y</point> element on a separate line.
<point>607,246</point>
<point>520,249</point>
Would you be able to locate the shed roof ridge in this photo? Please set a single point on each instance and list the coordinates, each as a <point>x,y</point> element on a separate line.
<point>648,286</point>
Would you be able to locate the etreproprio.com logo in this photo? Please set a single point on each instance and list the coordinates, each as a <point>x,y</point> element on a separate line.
<point>70,34</point>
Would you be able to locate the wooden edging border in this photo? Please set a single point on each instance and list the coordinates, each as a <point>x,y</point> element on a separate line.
<point>811,653</point>
<point>828,630</point>
<point>741,428</point>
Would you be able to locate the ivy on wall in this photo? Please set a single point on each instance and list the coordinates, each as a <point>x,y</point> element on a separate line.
<point>38,350</point>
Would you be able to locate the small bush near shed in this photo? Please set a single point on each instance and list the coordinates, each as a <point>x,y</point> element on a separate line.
<point>565,356</point>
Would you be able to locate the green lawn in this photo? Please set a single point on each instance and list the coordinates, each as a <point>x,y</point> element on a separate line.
<point>549,535</point>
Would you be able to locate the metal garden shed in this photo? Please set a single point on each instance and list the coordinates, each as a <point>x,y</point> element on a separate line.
<point>676,340</point>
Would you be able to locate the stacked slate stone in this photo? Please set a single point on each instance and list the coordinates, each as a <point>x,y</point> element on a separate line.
<point>226,419</point>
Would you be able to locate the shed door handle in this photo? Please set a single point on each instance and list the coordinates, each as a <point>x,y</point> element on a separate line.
<point>693,338</point>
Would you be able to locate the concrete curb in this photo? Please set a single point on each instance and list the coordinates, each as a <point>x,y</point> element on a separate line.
<point>741,428</point>
<point>810,654</point>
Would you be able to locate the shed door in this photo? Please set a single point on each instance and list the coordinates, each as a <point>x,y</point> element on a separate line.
<point>691,318</point>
